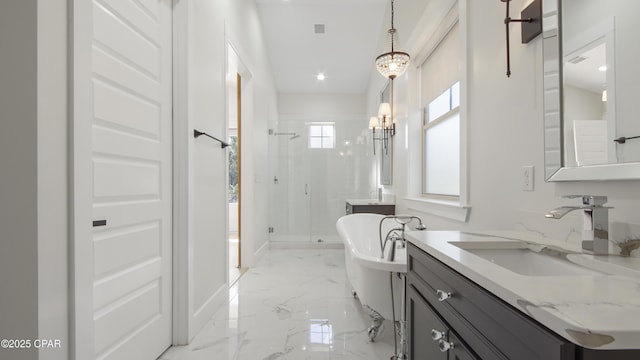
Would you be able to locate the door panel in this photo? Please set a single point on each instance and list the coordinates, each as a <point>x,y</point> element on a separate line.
<point>132,171</point>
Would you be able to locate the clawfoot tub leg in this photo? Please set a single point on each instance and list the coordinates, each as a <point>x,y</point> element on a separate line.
<point>376,322</point>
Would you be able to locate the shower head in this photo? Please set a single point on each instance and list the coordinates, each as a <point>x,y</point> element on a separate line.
<point>292,134</point>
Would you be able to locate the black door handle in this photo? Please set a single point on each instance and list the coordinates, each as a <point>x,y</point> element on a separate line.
<point>97,223</point>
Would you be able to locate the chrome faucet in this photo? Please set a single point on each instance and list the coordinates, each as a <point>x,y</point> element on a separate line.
<point>393,235</point>
<point>595,232</point>
<point>392,251</point>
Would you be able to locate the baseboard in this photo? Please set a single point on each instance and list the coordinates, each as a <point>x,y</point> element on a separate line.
<point>260,252</point>
<point>202,315</point>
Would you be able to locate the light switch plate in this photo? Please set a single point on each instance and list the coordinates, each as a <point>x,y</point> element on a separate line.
<point>528,178</point>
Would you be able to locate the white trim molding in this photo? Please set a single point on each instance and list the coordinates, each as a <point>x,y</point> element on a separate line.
<point>445,209</point>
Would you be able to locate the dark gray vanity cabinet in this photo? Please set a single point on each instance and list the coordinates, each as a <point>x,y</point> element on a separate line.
<point>471,318</point>
<point>467,322</point>
<point>373,208</point>
<point>422,320</point>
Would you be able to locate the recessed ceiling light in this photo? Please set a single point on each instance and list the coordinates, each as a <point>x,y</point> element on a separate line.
<point>602,68</point>
<point>321,76</point>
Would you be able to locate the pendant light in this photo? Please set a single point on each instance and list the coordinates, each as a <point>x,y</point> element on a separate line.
<point>394,63</point>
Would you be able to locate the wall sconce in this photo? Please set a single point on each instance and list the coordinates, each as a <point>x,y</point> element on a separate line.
<point>386,125</point>
<point>531,22</point>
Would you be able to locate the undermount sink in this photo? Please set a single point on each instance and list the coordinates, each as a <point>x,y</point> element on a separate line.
<point>523,259</point>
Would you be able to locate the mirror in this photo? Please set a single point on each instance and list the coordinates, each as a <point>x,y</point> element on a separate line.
<point>590,84</point>
<point>386,156</point>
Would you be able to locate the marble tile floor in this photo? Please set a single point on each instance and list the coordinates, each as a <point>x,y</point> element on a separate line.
<point>293,305</point>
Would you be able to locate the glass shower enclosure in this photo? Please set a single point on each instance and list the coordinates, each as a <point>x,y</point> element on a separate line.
<point>315,166</point>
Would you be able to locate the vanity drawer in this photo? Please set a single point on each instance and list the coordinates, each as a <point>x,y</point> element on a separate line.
<point>422,322</point>
<point>493,328</point>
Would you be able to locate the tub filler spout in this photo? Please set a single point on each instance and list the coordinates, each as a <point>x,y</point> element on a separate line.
<point>396,234</point>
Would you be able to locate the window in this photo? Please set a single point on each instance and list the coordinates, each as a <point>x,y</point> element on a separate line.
<point>441,134</point>
<point>440,84</point>
<point>321,136</point>
<point>440,129</point>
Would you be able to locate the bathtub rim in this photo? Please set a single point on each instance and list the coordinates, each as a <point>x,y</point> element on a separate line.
<point>366,260</point>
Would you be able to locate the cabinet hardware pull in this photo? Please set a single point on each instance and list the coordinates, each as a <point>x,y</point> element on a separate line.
<point>445,345</point>
<point>437,335</point>
<point>443,295</point>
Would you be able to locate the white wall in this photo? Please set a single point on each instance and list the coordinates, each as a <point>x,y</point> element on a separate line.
<point>505,132</point>
<point>203,29</point>
<point>259,104</point>
<point>33,182</point>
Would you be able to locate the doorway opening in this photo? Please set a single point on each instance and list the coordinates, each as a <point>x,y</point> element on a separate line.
<point>235,178</point>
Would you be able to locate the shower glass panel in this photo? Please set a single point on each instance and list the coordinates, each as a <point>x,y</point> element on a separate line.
<point>315,166</point>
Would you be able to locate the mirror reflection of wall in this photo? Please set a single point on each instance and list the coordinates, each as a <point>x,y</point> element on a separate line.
<point>585,88</point>
<point>601,79</point>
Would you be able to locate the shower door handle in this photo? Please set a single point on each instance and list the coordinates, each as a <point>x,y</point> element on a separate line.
<point>306,189</point>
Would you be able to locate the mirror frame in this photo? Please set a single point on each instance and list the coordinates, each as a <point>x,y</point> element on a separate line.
<point>554,169</point>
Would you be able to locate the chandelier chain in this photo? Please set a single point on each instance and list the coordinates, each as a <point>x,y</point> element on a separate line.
<point>393,29</point>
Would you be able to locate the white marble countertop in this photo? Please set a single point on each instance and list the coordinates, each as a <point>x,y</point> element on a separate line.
<point>598,311</point>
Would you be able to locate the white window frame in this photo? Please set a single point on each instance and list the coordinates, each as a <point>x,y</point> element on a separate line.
<point>446,207</point>
<point>322,137</point>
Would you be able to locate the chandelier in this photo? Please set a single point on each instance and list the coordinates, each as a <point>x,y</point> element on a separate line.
<point>394,63</point>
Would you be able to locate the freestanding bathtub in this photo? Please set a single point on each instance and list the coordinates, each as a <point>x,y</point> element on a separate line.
<point>367,272</point>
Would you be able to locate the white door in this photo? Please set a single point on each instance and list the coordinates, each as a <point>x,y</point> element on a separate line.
<point>132,172</point>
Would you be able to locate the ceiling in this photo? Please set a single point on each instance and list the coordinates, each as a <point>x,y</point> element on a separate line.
<point>581,69</point>
<point>345,53</point>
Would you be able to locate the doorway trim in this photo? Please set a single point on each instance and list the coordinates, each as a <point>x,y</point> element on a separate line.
<point>181,138</point>
<point>80,184</point>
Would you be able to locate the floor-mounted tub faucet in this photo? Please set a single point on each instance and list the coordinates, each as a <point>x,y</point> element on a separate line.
<point>392,236</point>
<point>595,232</point>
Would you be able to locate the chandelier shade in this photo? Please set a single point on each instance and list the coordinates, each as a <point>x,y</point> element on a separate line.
<point>374,122</point>
<point>392,64</point>
<point>384,110</point>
